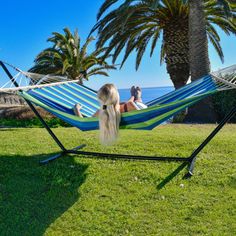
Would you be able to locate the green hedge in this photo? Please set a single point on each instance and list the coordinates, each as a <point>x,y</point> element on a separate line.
<point>223,102</point>
<point>34,122</point>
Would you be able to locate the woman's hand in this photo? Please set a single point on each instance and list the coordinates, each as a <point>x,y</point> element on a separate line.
<point>78,106</point>
<point>77,109</point>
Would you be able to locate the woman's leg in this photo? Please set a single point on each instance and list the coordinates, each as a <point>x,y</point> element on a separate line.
<point>130,105</point>
<point>132,94</point>
<point>139,102</point>
<point>138,97</point>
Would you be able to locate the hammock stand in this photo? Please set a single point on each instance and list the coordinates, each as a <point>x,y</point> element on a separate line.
<point>190,161</point>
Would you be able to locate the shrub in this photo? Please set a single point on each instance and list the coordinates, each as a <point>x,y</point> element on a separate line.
<point>223,102</point>
<point>30,123</point>
<point>23,116</point>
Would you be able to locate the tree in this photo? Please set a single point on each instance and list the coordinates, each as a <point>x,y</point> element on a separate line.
<point>134,25</point>
<point>199,26</point>
<point>68,57</point>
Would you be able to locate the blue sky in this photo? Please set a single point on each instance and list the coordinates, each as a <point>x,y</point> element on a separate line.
<point>26,25</point>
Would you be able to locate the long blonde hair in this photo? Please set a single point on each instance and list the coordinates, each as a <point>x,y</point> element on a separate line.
<point>109,114</point>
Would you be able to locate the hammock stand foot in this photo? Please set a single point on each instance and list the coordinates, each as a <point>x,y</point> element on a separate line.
<point>191,166</point>
<point>52,158</point>
<point>64,152</point>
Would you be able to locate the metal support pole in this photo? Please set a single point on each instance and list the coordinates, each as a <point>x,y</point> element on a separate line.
<point>34,110</point>
<point>209,138</point>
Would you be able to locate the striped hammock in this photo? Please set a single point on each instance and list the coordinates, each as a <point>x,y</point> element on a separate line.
<point>60,99</point>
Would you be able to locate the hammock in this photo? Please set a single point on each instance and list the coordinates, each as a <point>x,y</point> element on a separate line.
<point>60,97</point>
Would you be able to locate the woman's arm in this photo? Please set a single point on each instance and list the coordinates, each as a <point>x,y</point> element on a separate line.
<point>77,112</point>
<point>77,108</point>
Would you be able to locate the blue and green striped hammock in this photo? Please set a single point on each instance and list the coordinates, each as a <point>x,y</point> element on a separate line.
<point>60,98</point>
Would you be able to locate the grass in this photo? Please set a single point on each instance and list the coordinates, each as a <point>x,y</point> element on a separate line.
<point>88,196</point>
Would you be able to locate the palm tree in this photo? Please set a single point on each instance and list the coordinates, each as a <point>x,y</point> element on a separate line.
<point>200,23</point>
<point>68,57</point>
<point>134,25</point>
<point>202,15</point>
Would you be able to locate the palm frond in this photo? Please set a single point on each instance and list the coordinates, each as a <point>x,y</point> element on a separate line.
<point>124,28</point>
<point>104,7</point>
<point>67,56</point>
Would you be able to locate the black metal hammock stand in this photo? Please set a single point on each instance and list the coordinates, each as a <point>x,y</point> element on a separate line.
<point>192,92</point>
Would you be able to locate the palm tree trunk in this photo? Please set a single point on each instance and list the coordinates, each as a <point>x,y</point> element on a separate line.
<point>177,52</point>
<point>198,44</point>
<point>199,61</point>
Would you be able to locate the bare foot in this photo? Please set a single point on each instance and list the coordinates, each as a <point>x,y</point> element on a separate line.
<point>138,95</point>
<point>132,91</point>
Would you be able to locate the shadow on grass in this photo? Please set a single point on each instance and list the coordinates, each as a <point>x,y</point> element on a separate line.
<point>32,196</point>
<point>4,128</point>
<point>165,181</point>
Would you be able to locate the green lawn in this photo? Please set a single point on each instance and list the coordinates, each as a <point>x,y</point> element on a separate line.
<point>86,196</point>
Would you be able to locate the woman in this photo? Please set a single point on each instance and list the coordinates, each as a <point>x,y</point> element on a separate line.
<point>109,113</point>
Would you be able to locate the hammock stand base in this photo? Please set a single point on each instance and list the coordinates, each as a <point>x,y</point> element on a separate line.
<point>113,156</point>
<point>190,161</point>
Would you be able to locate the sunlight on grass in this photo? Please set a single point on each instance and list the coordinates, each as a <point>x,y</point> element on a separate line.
<point>88,196</point>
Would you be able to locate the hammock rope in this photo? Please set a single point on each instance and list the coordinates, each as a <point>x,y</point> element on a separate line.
<point>28,80</point>
<point>28,87</point>
<point>224,79</point>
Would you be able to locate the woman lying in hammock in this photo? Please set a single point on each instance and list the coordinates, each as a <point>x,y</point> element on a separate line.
<point>109,114</point>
